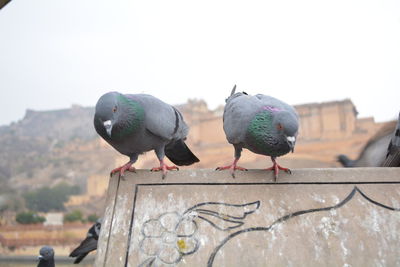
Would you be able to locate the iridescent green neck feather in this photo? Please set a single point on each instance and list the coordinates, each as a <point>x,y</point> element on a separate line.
<point>259,131</point>
<point>131,118</point>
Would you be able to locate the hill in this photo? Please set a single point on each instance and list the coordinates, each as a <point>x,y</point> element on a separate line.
<point>47,147</point>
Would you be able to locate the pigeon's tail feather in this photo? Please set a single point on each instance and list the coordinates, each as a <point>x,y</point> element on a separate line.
<point>80,258</point>
<point>345,161</point>
<point>234,94</point>
<point>87,245</point>
<point>233,90</point>
<point>179,153</point>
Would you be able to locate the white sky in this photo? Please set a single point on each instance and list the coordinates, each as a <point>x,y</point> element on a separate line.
<point>57,53</point>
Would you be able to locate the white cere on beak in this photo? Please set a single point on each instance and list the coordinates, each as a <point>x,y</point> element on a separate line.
<point>291,139</point>
<point>107,123</point>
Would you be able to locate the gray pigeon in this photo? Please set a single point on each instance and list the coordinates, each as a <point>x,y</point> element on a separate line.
<point>46,257</point>
<point>89,244</point>
<point>262,124</point>
<point>393,151</point>
<point>136,123</point>
<point>375,150</point>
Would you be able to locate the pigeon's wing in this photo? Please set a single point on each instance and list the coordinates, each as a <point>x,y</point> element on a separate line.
<point>238,113</point>
<point>276,103</point>
<point>374,152</point>
<point>393,151</point>
<point>161,119</point>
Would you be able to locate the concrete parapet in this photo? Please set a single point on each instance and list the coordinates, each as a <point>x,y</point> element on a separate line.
<point>314,217</point>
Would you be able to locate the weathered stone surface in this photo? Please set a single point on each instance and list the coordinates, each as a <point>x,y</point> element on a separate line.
<point>314,217</point>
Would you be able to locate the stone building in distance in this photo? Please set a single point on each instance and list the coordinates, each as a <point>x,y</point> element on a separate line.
<point>332,121</point>
<point>326,130</point>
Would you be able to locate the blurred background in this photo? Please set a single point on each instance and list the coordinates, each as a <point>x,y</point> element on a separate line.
<point>337,62</point>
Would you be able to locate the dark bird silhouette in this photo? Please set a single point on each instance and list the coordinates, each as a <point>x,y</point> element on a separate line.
<point>46,257</point>
<point>89,244</point>
<point>261,124</point>
<point>134,124</point>
<point>3,3</point>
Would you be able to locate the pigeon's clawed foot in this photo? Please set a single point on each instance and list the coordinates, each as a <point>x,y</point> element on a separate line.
<point>126,167</point>
<point>233,167</point>
<point>164,168</point>
<point>276,167</point>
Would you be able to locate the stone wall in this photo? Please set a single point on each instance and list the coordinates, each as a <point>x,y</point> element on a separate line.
<point>314,217</point>
<point>329,120</point>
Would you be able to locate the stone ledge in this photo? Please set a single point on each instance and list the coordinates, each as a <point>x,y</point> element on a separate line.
<point>207,218</point>
<point>328,175</point>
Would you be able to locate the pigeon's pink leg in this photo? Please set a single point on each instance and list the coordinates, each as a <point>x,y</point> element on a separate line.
<point>126,167</point>
<point>233,167</point>
<point>164,168</point>
<point>276,167</point>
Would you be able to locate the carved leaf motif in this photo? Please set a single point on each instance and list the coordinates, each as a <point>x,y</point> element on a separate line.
<point>223,216</point>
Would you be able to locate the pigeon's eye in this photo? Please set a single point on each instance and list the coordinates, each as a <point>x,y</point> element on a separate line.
<point>279,127</point>
<point>114,109</point>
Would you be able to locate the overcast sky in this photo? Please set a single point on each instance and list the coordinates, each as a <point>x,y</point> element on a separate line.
<point>57,53</point>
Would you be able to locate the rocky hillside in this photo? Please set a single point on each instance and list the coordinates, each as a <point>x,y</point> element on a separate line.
<point>47,147</point>
<point>57,125</point>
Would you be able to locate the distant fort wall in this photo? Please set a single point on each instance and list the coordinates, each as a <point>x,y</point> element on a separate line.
<point>318,122</point>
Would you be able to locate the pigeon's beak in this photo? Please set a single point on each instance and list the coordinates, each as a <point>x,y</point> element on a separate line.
<point>40,257</point>
<point>108,126</point>
<point>291,142</point>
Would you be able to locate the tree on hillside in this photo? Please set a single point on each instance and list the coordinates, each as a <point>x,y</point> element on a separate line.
<point>47,199</point>
<point>74,216</point>
<point>28,217</point>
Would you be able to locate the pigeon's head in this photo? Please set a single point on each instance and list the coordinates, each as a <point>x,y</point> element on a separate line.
<point>115,115</point>
<point>99,221</point>
<point>97,227</point>
<point>287,126</point>
<point>107,112</point>
<point>46,253</point>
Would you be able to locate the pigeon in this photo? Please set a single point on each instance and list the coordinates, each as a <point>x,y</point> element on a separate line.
<point>137,123</point>
<point>261,124</point>
<point>46,257</point>
<point>346,161</point>
<point>393,151</point>
<point>89,244</point>
<point>374,152</point>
